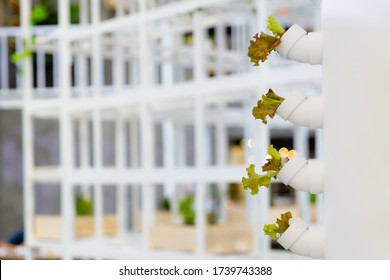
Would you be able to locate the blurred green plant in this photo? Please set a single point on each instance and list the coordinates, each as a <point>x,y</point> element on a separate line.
<point>38,14</point>
<point>41,14</point>
<point>313,198</point>
<point>165,204</point>
<point>84,207</point>
<point>186,210</point>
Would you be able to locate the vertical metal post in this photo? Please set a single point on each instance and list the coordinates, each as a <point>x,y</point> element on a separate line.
<point>84,151</point>
<point>134,163</point>
<point>200,159</point>
<point>146,122</point>
<point>169,165</point>
<point>28,151</point>
<point>222,153</point>
<point>200,162</point>
<point>120,165</point>
<point>66,141</point>
<point>97,120</point>
<point>300,139</point>
<point>148,199</point>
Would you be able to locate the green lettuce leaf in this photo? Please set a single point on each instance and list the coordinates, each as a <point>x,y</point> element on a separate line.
<point>275,162</point>
<point>275,27</point>
<point>267,106</point>
<point>255,180</point>
<point>270,230</point>
<point>275,230</point>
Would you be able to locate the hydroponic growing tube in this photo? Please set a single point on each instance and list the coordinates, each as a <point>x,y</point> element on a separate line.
<point>301,46</point>
<point>302,110</point>
<point>356,88</point>
<point>301,239</point>
<point>304,175</point>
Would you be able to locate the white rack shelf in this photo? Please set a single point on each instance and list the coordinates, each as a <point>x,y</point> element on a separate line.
<point>147,86</point>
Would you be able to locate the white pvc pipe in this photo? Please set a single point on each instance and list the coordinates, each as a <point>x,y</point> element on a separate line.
<point>302,110</point>
<point>301,46</point>
<point>303,240</point>
<point>302,174</point>
<point>356,128</point>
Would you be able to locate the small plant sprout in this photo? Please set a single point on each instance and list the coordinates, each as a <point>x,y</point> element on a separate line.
<point>264,44</point>
<point>267,106</point>
<point>270,169</point>
<point>276,230</point>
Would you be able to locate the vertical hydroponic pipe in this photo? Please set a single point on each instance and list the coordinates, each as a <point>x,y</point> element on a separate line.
<point>356,88</point>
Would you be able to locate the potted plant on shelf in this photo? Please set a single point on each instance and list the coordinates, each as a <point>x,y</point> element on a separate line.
<point>186,210</point>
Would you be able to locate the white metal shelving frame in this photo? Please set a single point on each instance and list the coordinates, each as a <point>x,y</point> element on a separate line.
<point>137,101</point>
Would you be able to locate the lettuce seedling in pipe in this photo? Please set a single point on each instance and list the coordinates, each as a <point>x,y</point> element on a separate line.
<point>264,44</point>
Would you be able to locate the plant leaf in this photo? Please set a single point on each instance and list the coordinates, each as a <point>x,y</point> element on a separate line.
<point>275,27</point>
<point>270,230</point>
<point>18,56</point>
<point>275,163</point>
<point>38,14</point>
<point>275,230</point>
<point>267,106</point>
<point>261,47</point>
<point>255,180</point>
<point>283,222</point>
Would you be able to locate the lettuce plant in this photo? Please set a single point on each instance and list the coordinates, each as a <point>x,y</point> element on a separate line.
<point>270,169</point>
<point>264,44</point>
<point>276,230</point>
<point>267,106</point>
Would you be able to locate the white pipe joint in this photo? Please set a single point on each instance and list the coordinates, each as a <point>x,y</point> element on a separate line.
<point>304,175</point>
<point>301,46</point>
<point>303,240</point>
<point>302,110</point>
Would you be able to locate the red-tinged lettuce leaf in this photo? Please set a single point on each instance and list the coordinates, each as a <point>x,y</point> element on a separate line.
<point>283,223</point>
<point>267,106</point>
<point>261,47</point>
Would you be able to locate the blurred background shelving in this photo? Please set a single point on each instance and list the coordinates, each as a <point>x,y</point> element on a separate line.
<point>136,115</point>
